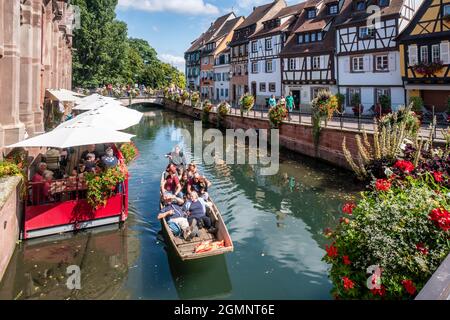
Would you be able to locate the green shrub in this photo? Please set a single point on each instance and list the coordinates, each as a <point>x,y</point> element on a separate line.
<point>417,104</point>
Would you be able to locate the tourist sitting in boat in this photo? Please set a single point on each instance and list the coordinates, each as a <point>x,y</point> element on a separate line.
<point>176,219</point>
<point>91,149</point>
<point>47,186</point>
<point>200,185</point>
<point>109,160</point>
<point>38,184</point>
<point>171,183</point>
<point>90,163</point>
<point>184,181</point>
<point>192,170</point>
<point>176,157</point>
<point>196,211</point>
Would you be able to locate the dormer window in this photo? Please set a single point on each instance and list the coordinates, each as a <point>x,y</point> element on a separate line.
<point>333,9</point>
<point>311,13</point>
<point>309,37</point>
<point>383,3</point>
<point>360,6</point>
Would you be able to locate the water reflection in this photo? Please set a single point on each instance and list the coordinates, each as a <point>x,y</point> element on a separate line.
<point>38,269</point>
<point>200,279</point>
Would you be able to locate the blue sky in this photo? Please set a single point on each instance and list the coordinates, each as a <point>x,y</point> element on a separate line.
<point>171,25</point>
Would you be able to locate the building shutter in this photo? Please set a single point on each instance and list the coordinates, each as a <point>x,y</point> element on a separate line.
<point>412,54</point>
<point>274,65</point>
<point>286,64</point>
<point>322,62</point>
<point>392,61</point>
<point>346,64</point>
<point>308,63</point>
<point>445,54</point>
<point>297,64</point>
<point>367,67</point>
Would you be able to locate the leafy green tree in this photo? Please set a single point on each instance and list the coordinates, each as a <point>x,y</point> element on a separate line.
<point>104,53</point>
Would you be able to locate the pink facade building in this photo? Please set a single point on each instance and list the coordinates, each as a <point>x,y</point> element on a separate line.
<point>35,55</point>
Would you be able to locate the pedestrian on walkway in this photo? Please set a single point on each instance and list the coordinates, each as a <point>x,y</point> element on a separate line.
<point>272,102</point>
<point>290,104</point>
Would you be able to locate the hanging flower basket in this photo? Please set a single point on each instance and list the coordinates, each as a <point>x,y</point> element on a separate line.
<point>247,102</point>
<point>277,115</point>
<point>223,109</point>
<point>195,97</point>
<point>428,69</point>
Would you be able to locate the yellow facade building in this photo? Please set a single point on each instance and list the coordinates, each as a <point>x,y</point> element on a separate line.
<point>425,55</point>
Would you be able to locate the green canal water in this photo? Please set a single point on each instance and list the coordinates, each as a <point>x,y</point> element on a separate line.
<point>276,227</point>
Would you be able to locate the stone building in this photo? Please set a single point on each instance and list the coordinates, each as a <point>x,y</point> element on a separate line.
<point>35,55</point>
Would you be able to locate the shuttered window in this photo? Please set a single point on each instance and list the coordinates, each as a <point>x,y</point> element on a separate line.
<point>445,52</point>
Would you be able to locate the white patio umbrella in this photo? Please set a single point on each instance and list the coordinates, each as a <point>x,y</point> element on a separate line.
<point>90,105</point>
<point>74,136</point>
<point>108,116</point>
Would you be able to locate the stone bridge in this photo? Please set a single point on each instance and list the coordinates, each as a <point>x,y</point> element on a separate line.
<point>126,101</point>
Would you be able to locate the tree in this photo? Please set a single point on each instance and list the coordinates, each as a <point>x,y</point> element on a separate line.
<point>104,54</point>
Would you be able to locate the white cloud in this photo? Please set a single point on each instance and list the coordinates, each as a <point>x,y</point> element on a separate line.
<point>176,61</point>
<point>194,7</point>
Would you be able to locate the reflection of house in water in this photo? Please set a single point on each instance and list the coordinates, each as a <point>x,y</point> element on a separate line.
<point>104,255</point>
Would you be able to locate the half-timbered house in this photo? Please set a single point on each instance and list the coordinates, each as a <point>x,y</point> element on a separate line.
<point>425,56</point>
<point>308,64</point>
<point>239,46</point>
<point>264,77</point>
<point>368,51</point>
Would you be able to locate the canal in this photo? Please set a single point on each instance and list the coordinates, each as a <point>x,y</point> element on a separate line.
<point>276,223</point>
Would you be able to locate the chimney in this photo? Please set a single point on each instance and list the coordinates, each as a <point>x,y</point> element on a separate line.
<point>254,8</point>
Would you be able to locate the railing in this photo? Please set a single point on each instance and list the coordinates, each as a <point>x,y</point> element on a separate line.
<point>341,121</point>
<point>47,192</point>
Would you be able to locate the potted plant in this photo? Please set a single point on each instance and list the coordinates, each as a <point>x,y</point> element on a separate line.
<point>341,102</point>
<point>416,105</point>
<point>385,103</point>
<point>358,108</point>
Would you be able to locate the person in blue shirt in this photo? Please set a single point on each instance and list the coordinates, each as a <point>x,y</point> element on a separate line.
<point>272,101</point>
<point>196,211</point>
<point>177,219</point>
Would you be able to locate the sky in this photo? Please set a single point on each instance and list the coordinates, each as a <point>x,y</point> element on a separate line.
<point>171,25</point>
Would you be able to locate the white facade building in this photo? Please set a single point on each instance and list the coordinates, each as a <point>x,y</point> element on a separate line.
<point>264,65</point>
<point>222,69</point>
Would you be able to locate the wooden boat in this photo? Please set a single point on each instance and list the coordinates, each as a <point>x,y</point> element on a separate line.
<point>186,249</point>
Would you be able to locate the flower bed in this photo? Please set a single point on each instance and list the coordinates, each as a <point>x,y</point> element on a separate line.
<point>393,239</point>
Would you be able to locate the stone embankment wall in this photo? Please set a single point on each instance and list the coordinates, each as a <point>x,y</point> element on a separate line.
<point>10,219</point>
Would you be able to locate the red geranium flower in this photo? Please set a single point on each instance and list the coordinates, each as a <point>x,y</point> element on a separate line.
<point>382,184</point>
<point>409,286</point>
<point>348,208</point>
<point>332,251</point>
<point>421,247</point>
<point>348,284</point>
<point>438,176</point>
<point>345,220</point>
<point>346,260</point>
<point>381,291</point>
<point>441,218</point>
<point>405,166</point>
